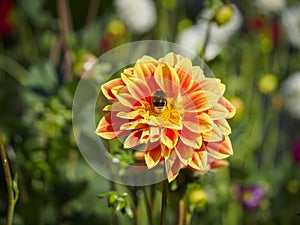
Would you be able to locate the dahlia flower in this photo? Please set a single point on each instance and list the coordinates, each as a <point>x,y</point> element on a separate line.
<point>171,110</point>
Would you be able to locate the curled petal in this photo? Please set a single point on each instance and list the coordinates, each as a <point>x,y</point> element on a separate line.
<point>167,79</point>
<point>173,165</point>
<point>131,114</point>
<point>221,149</point>
<point>206,122</point>
<point>184,71</point>
<point>218,111</point>
<point>184,152</point>
<point>153,154</point>
<point>171,59</point>
<point>154,134</point>
<point>223,126</point>
<point>145,67</point>
<point>133,125</point>
<point>215,134</point>
<point>169,138</point>
<point>212,85</point>
<point>112,88</point>
<point>197,73</point>
<point>218,163</point>
<point>133,139</point>
<point>165,151</point>
<point>200,101</point>
<point>128,100</point>
<point>137,87</point>
<point>190,138</point>
<point>231,109</point>
<point>199,161</point>
<point>107,108</point>
<point>108,130</point>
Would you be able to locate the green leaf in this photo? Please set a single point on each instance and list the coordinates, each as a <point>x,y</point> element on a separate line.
<point>42,75</point>
<point>121,204</point>
<point>129,211</point>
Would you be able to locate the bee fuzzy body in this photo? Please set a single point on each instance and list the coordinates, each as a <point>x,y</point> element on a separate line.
<point>159,101</point>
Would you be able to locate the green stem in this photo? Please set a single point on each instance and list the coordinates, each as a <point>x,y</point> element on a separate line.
<point>206,40</point>
<point>164,202</point>
<point>181,212</point>
<point>148,207</point>
<point>12,198</point>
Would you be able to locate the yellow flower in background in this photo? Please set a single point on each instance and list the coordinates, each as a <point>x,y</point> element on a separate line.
<point>173,111</point>
<point>267,83</point>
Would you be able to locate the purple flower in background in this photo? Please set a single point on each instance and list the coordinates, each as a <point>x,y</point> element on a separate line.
<point>296,152</point>
<point>250,196</point>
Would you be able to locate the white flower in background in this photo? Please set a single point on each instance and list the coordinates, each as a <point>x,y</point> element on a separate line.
<point>291,23</point>
<point>139,15</point>
<point>270,5</point>
<point>291,93</point>
<point>193,38</point>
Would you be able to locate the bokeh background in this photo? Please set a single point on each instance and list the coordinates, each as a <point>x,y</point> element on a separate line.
<point>252,45</point>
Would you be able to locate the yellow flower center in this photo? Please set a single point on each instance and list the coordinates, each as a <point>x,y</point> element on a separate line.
<point>163,113</point>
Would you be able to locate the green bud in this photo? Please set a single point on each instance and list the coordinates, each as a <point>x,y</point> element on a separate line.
<point>224,14</point>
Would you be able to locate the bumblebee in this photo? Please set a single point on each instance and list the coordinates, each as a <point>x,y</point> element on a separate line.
<point>159,101</point>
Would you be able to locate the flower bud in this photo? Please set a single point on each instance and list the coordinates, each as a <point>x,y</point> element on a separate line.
<point>267,83</point>
<point>197,197</point>
<point>111,200</point>
<point>116,28</point>
<point>224,14</point>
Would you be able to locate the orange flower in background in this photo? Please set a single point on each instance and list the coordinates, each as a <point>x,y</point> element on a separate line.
<point>171,109</point>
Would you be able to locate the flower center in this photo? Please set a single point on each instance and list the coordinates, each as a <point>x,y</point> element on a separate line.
<point>164,113</point>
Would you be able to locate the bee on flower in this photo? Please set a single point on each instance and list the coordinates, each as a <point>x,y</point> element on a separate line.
<point>173,111</point>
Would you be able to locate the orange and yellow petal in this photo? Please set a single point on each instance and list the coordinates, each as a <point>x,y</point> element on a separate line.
<point>136,138</point>
<point>221,149</point>
<point>223,126</point>
<point>152,154</point>
<point>167,79</point>
<point>199,161</point>
<point>169,137</point>
<point>171,59</point>
<point>111,89</point>
<point>145,67</point>
<point>199,101</point>
<point>137,87</point>
<point>173,165</point>
<point>215,134</point>
<point>231,109</point>
<point>218,163</point>
<point>190,138</point>
<point>184,152</point>
<point>108,130</point>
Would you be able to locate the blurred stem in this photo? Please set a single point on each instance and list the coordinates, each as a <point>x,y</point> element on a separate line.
<point>181,211</point>
<point>164,201</point>
<point>91,17</point>
<point>66,26</point>
<point>184,217</point>
<point>12,195</point>
<point>148,207</point>
<point>207,36</point>
<point>92,13</point>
